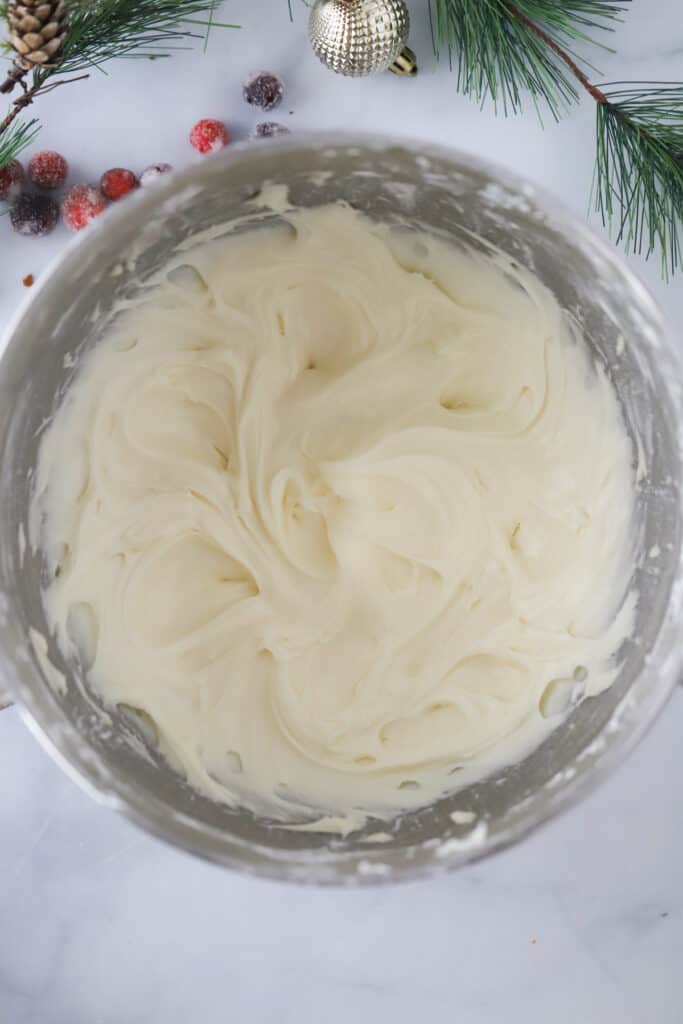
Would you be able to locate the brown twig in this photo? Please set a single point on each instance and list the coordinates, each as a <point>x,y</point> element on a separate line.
<point>24,100</point>
<point>27,97</point>
<point>15,74</point>
<point>20,104</point>
<point>62,81</point>
<point>597,94</point>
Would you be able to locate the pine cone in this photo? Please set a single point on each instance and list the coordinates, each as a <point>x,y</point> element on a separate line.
<point>37,31</point>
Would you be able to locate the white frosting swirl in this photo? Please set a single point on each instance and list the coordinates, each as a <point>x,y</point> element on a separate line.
<point>339,505</point>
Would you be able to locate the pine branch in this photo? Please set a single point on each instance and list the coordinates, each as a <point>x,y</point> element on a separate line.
<point>101,30</point>
<point>506,49</point>
<point>15,137</point>
<point>639,179</point>
<point>19,105</point>
<point>508,46</point>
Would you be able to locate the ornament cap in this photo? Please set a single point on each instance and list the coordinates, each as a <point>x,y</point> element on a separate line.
<point>405,63</point>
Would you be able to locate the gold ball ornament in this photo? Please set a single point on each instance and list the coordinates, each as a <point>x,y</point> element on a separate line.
<point>358,37</point>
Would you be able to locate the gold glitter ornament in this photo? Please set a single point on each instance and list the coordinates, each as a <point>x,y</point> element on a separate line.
<point>358,37</point>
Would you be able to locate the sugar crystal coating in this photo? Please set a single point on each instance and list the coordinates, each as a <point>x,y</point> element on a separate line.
<point>264,90</point>
<point>34,216</point>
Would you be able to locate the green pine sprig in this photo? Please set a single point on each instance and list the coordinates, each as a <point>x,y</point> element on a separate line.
<point>19,135</point>
<point>509,48</point>
<point>99,31</point>
<point>639,170</point>
<point>103,30</point>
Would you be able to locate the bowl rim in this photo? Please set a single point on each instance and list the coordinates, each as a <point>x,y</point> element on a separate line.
<point>108,789</point>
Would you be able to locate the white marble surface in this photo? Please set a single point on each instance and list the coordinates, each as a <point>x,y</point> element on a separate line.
<point>101,925</point>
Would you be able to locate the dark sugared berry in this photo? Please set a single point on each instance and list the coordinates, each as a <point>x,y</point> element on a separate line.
<point>263,90</point>
<point>34,216</point>
<point>209,135</point>
<point>266,129</point>
<point>154,173</point>
<point>11,180</point>
<point>48,169</point>
<point>81,205</point>
<point>117,183</point>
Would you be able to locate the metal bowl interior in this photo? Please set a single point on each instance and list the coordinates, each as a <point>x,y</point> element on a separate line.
<point>411,187</point>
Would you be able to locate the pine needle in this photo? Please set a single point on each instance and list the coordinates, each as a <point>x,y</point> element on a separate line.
<point>17,137</point>
<point>639,172</point>
<point>509,47</point>
<point>101,30</point>
<point>501,58</point>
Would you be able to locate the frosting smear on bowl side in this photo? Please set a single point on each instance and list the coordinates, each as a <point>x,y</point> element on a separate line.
<point>345,512</point>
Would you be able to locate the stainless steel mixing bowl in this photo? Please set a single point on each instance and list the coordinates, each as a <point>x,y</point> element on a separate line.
<point>408,185</point>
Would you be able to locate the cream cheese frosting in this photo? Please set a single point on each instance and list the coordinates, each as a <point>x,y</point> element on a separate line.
<point>345,512</point>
